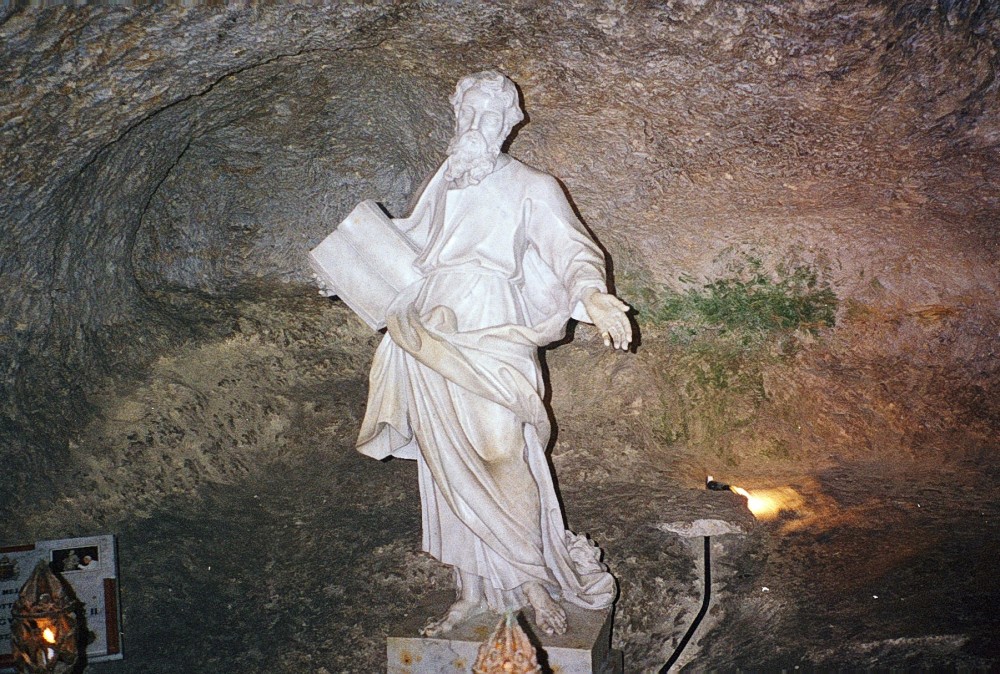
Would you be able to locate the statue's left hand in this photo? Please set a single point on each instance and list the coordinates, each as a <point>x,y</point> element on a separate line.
<point>609,315</point>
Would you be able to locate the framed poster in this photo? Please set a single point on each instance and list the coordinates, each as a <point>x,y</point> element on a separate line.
<point>90,566</point>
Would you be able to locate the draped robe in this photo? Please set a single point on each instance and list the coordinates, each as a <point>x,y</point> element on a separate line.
<point>456,382</point>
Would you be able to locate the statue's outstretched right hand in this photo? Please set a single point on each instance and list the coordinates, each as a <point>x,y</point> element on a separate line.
<point>609,314</point>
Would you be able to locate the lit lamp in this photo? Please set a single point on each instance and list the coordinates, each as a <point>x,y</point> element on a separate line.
<point>44,625</point>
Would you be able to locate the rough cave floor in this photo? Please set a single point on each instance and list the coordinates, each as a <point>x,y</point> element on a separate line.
<point>299,554</point>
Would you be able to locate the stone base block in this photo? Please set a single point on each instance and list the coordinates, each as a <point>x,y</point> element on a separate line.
<point>584,649</point>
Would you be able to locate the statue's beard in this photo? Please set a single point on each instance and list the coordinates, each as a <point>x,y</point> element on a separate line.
<point>470,158</point>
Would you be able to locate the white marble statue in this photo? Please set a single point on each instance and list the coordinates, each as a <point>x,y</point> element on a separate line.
<point>503,264</point>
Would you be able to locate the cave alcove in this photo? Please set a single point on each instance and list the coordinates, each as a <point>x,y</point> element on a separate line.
<point>170,373</point>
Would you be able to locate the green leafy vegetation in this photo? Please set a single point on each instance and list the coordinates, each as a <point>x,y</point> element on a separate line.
<point>719,338</point>
<point>751,305</point>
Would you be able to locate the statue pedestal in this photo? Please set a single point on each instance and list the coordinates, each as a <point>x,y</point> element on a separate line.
<point>584,649</point>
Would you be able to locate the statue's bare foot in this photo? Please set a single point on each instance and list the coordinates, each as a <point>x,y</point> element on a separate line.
<point>549,615</point>
<point>460,611</point>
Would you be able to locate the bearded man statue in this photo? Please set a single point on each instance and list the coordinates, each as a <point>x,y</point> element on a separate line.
<point>456,383</point>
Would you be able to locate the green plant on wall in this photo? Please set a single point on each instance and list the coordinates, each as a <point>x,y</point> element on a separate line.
<point>720,336</point>
<point>750,305</point>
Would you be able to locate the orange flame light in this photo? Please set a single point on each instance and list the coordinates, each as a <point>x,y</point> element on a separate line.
<point>767,504</point>
<point>49,635</point>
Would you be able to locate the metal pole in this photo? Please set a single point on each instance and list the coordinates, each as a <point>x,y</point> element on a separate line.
<point>701,614</point>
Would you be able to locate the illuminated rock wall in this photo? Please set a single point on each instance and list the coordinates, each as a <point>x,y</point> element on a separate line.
<point>156,157</point>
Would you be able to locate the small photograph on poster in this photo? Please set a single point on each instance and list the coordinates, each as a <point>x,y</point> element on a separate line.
<point>76,559</point>
<point>9,569</point>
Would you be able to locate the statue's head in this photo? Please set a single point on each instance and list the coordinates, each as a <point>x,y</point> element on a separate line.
<point>486,109</point>
<point>487,91</point>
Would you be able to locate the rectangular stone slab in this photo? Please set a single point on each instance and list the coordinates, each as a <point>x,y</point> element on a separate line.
<point>584,649</point>
<point>366,261</point>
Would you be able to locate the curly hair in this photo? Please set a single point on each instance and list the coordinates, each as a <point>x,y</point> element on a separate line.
<point>494,85</point>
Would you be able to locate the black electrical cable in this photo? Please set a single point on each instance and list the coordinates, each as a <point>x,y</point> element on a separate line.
<point>701,614</point>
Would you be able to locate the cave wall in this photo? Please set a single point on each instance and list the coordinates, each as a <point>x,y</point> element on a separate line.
<point>153,155</point>
<point>310,137</point>
<point>103,104</point>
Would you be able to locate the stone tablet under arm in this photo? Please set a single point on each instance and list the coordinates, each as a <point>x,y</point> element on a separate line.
<point>366,261</point>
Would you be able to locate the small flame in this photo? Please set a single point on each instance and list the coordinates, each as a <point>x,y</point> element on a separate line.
<point>767,504</point>
<point>49,635</point>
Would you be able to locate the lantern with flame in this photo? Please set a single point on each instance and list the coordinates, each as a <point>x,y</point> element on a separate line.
<point>44,625</point>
